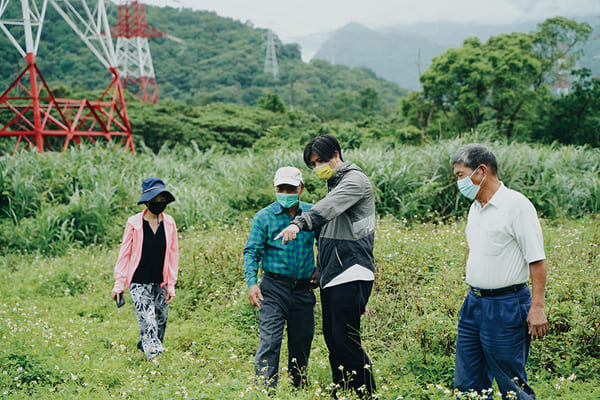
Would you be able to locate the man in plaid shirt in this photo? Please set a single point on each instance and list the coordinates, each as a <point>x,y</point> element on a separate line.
<point>285,291</point>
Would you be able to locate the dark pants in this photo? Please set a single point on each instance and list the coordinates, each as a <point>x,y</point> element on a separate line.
<point>343,306</point>
<point>284,301</point>
<point>493,342</point>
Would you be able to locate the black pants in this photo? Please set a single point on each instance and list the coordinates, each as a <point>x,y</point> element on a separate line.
<point>343,306</point>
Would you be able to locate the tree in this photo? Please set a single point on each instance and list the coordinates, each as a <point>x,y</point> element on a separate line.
<point>368,99</point>
<point>515,79</point>
<point>344,105</point>
<point>501,80</point>
<point>456,83</point>
<point>272,102</point>
<point>575,117</point>
<point>559,39</point>
<point>418,111</point>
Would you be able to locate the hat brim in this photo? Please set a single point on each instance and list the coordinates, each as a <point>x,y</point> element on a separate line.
<point>155,192</point>
<point>287,181</point>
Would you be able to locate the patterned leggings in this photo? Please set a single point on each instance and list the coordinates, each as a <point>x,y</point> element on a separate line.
<point>151,309</point>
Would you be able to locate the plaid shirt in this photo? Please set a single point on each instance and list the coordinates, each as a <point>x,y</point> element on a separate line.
<point>295,259</point>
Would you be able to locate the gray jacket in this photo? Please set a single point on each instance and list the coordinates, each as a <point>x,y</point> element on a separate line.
<point>346,217</point>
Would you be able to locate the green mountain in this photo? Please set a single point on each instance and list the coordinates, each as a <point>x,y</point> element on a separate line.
<point>222,61</point>
<point>397,56</point>
<point>397,53</point>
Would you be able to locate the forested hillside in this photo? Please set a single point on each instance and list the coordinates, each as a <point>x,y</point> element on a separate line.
<point>222,61</point>
<point>496,88</point>
<point>398,57</point>
<point>398,53</point>
<point>214,93</point>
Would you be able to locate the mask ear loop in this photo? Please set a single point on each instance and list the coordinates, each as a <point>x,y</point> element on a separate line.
<point>482,179</point>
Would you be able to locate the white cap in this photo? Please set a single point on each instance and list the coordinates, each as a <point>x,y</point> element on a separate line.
<point>288,176</point>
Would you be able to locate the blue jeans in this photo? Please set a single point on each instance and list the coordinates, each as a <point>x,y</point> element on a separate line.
<point>493,342</point>
<point>291,302</point>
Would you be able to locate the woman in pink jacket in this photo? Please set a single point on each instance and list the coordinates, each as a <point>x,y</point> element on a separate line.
<point>148,265</point>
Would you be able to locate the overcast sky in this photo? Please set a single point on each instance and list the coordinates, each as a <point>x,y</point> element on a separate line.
<point>292,18</point>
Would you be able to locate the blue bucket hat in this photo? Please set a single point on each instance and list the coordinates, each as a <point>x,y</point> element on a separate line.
<point>152,187</point>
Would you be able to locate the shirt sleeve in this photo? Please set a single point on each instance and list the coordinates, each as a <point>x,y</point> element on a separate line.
<point>174,267</point>
<point>120,272</point>
<point>347,193</point>
<point>254,250</point>
<point>528,232</point>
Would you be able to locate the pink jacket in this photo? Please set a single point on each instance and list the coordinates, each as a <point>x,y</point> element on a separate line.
<point>131,253</point>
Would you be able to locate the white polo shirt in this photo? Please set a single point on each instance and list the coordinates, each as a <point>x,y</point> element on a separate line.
<point>504,237</point>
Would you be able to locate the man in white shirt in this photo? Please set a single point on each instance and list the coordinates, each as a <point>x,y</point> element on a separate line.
<point>500,315</point>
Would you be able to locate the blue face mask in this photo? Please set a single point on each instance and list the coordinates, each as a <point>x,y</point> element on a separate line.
<point>287,200</point>
<point>467,187</point>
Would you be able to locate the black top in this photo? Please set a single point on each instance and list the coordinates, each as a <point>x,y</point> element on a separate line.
<point>150,268</point>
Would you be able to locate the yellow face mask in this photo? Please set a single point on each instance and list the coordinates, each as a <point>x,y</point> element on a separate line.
<point>324,171</point>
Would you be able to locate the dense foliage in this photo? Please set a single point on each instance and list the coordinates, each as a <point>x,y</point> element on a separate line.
<point>503,86</point>
<point>222,60</point>
<point>53,201</point>
<point>401,53</point>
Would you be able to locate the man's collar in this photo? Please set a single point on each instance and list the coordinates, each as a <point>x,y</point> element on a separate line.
<point>497,197</point>
<point>278,208</point>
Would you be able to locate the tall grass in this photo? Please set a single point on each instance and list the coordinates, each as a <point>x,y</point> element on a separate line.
<point>52,201</point>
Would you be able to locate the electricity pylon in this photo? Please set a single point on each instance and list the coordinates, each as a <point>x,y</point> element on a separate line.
<point>562,76</point>
<point>271,56</point>
<point>133,51</point>
<point>34,113</point>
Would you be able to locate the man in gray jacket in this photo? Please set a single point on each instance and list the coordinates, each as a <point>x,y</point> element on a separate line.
<point>345,263</point>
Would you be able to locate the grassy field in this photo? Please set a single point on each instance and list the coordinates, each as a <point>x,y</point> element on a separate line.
<point>62,337</point>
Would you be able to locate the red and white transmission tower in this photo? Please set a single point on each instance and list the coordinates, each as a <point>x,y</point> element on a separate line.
<point>133,52</point>
<point>36,114</point>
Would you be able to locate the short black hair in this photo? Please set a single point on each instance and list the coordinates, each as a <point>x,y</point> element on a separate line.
<point>475,154</point>
<point>324,146</point>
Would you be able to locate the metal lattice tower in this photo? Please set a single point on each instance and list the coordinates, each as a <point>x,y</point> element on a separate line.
<point>598,55</point>
<point>562,76</point>
<point>134,59</point>
<point>562,79</point>
<point>271,56</point>
<point>35,115</point>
